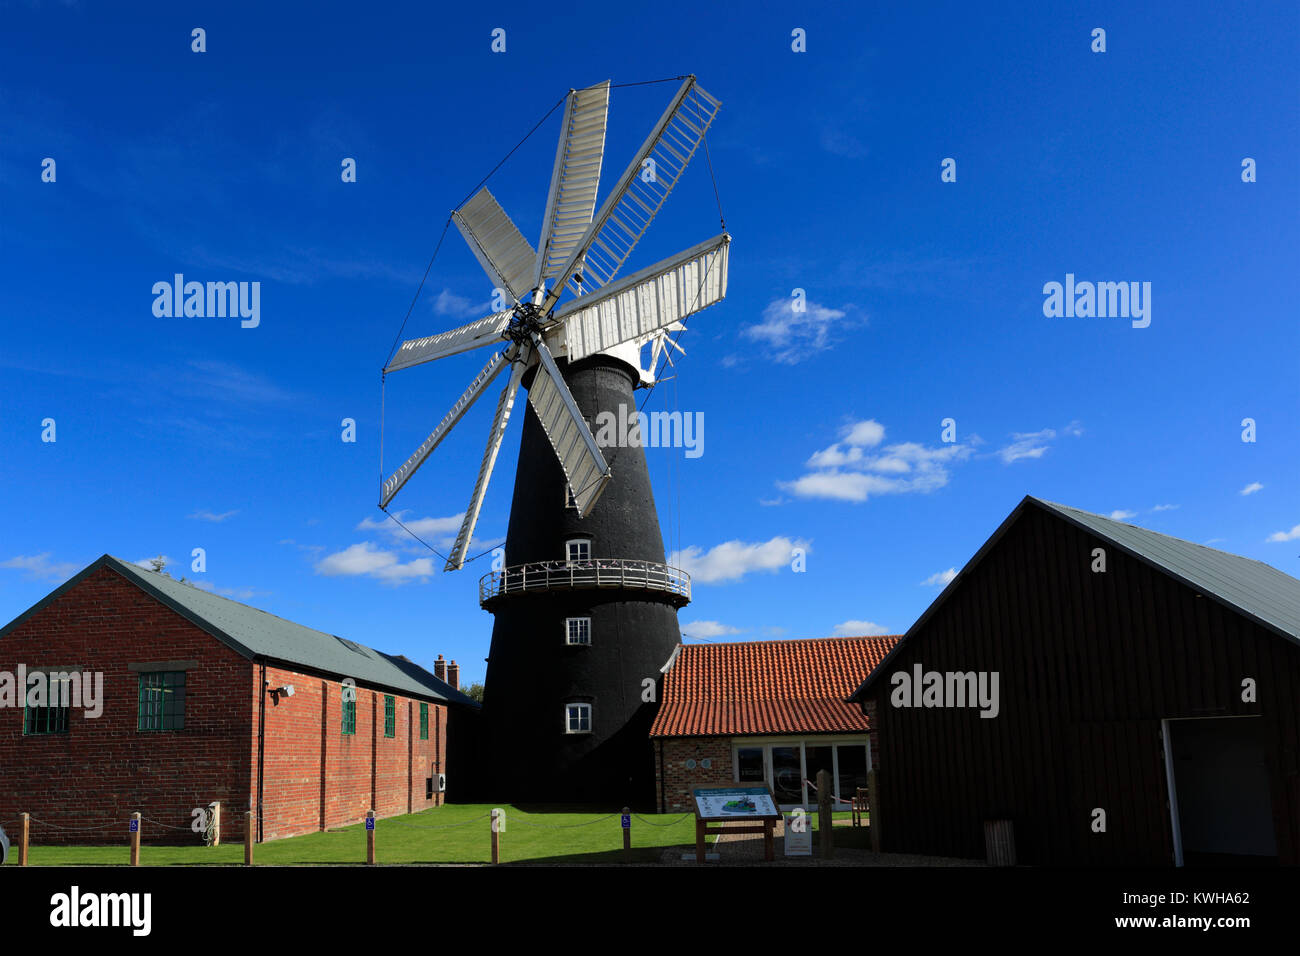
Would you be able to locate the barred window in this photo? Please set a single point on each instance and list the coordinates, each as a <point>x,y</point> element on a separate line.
<point>390,716</point>
<point>424,721</point>
<point>349,712</point>
<point>162,701</point>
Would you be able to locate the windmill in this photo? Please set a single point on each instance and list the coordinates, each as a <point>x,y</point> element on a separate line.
<point>584,723</point>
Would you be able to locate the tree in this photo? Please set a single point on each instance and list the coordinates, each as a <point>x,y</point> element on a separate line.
<point>475,692</point>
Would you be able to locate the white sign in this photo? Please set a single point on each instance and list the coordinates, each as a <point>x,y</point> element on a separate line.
<point>4,846</point>
<point>798,835</point>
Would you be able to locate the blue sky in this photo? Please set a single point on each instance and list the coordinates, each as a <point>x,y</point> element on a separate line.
<point>822,428</point>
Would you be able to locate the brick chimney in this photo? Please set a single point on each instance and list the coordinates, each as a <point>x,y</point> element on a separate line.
<point>453,675</point>
<point>440,668</point>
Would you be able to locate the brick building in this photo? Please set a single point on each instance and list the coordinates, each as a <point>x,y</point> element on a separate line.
<point>771,712</point>
<point>205,699</point>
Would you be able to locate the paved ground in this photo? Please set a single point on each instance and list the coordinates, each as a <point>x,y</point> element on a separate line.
<point>746,849</point>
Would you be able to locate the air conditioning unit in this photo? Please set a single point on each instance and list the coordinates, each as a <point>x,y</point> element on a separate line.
<point>440,782</point>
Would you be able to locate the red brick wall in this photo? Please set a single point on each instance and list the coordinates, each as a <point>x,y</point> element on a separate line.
<point>675,781</point>
<point>104,769</point>
<point>364,770</point>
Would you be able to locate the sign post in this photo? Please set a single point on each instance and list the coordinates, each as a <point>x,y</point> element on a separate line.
<point>626,823</point>
<point>720,804</point>
<point>370,836</point>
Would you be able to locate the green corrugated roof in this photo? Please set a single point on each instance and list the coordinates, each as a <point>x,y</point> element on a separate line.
<point>1260,590</point>
<point>256,633</point>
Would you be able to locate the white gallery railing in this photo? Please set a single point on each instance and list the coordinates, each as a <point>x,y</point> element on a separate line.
<point>596,573</point>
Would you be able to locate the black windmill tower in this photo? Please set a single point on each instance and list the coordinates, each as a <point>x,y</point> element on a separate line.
<point>585,607</point>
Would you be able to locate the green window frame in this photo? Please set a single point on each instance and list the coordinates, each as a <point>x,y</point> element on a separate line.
<point>49,718</point>
<point>390,716</point>
<point>161,701</point>
<point>424,721</point>
<point>349,715</point>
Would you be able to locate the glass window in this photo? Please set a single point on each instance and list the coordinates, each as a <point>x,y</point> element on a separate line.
<point>787,775</point>
<point>853,769</point>
<point>161,701</point>
<point>577,630</point>
<point>424,721</point>
<point>51,715</point>
<point>579,549</point>
<point>349,711</point>
<point>577,718</point>
<point>390,716</point>
<point>749,765</point>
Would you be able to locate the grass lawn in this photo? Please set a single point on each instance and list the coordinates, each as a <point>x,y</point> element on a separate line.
<point>536,835</point>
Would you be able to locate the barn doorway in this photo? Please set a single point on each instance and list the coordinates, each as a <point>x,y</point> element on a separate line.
<point>1220,795</point>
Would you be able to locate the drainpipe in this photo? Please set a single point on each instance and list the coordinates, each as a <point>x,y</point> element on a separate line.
<point>261,748</point>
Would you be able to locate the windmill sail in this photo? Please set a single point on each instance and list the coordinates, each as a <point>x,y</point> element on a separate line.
<point>499,422</point>
<point>574,180</point>
<point>499,246</point>
<point>641,191</point>
<point>468,398</point>
<point>652,299</point>
<point>580,457</point>
<point>484,331</point>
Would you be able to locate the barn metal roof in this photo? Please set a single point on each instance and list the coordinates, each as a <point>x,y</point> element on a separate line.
<point>1260,590</point>
<point>1255,589</point>
<point>257,634</point>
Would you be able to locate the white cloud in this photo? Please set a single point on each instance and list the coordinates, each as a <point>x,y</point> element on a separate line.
<point>705,630</point>
<point>217,518</point>
<point>732,560</point>
<point>1292,535</point>
<point>40,567</point>
<point>368,560</point>
<point>942,578</point>
<point>847,471</point>
<point>859,629</point>
<point>1119,514</point>
<point>447,302</point>
<point>1026,445</point>
<point>438,532</point>
<point>1251,488</point>
<point>793,336</point>
<point>1165,508</point>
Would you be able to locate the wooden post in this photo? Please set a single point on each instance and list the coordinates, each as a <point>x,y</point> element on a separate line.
<point>496,836</point>
<point>25,839</point>
<point>627,833</point>
<point>215,809</point>
<point>699,840</point>
<point>248,838</point>
<point>370,836</point>
<point>825,820</point>
<point>135,839</point>
<point>873,810</point>
<point>769,842</point>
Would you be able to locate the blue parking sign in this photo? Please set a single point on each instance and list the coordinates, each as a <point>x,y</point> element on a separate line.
<point>133,826</point>
<point>627,821</point>
<point>370,823</point>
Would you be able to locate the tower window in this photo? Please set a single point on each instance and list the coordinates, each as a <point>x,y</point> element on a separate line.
<point>570,502</point>
<point>577,630</point>
<point>577,718</point>
<point>579,549</point>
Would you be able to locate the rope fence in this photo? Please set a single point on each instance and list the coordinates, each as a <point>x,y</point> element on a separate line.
<point>208,829</point>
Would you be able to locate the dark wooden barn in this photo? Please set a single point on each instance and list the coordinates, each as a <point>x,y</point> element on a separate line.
<point>1145,710</point>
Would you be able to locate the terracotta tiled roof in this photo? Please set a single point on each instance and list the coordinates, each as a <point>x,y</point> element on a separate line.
<point>767,687</point>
